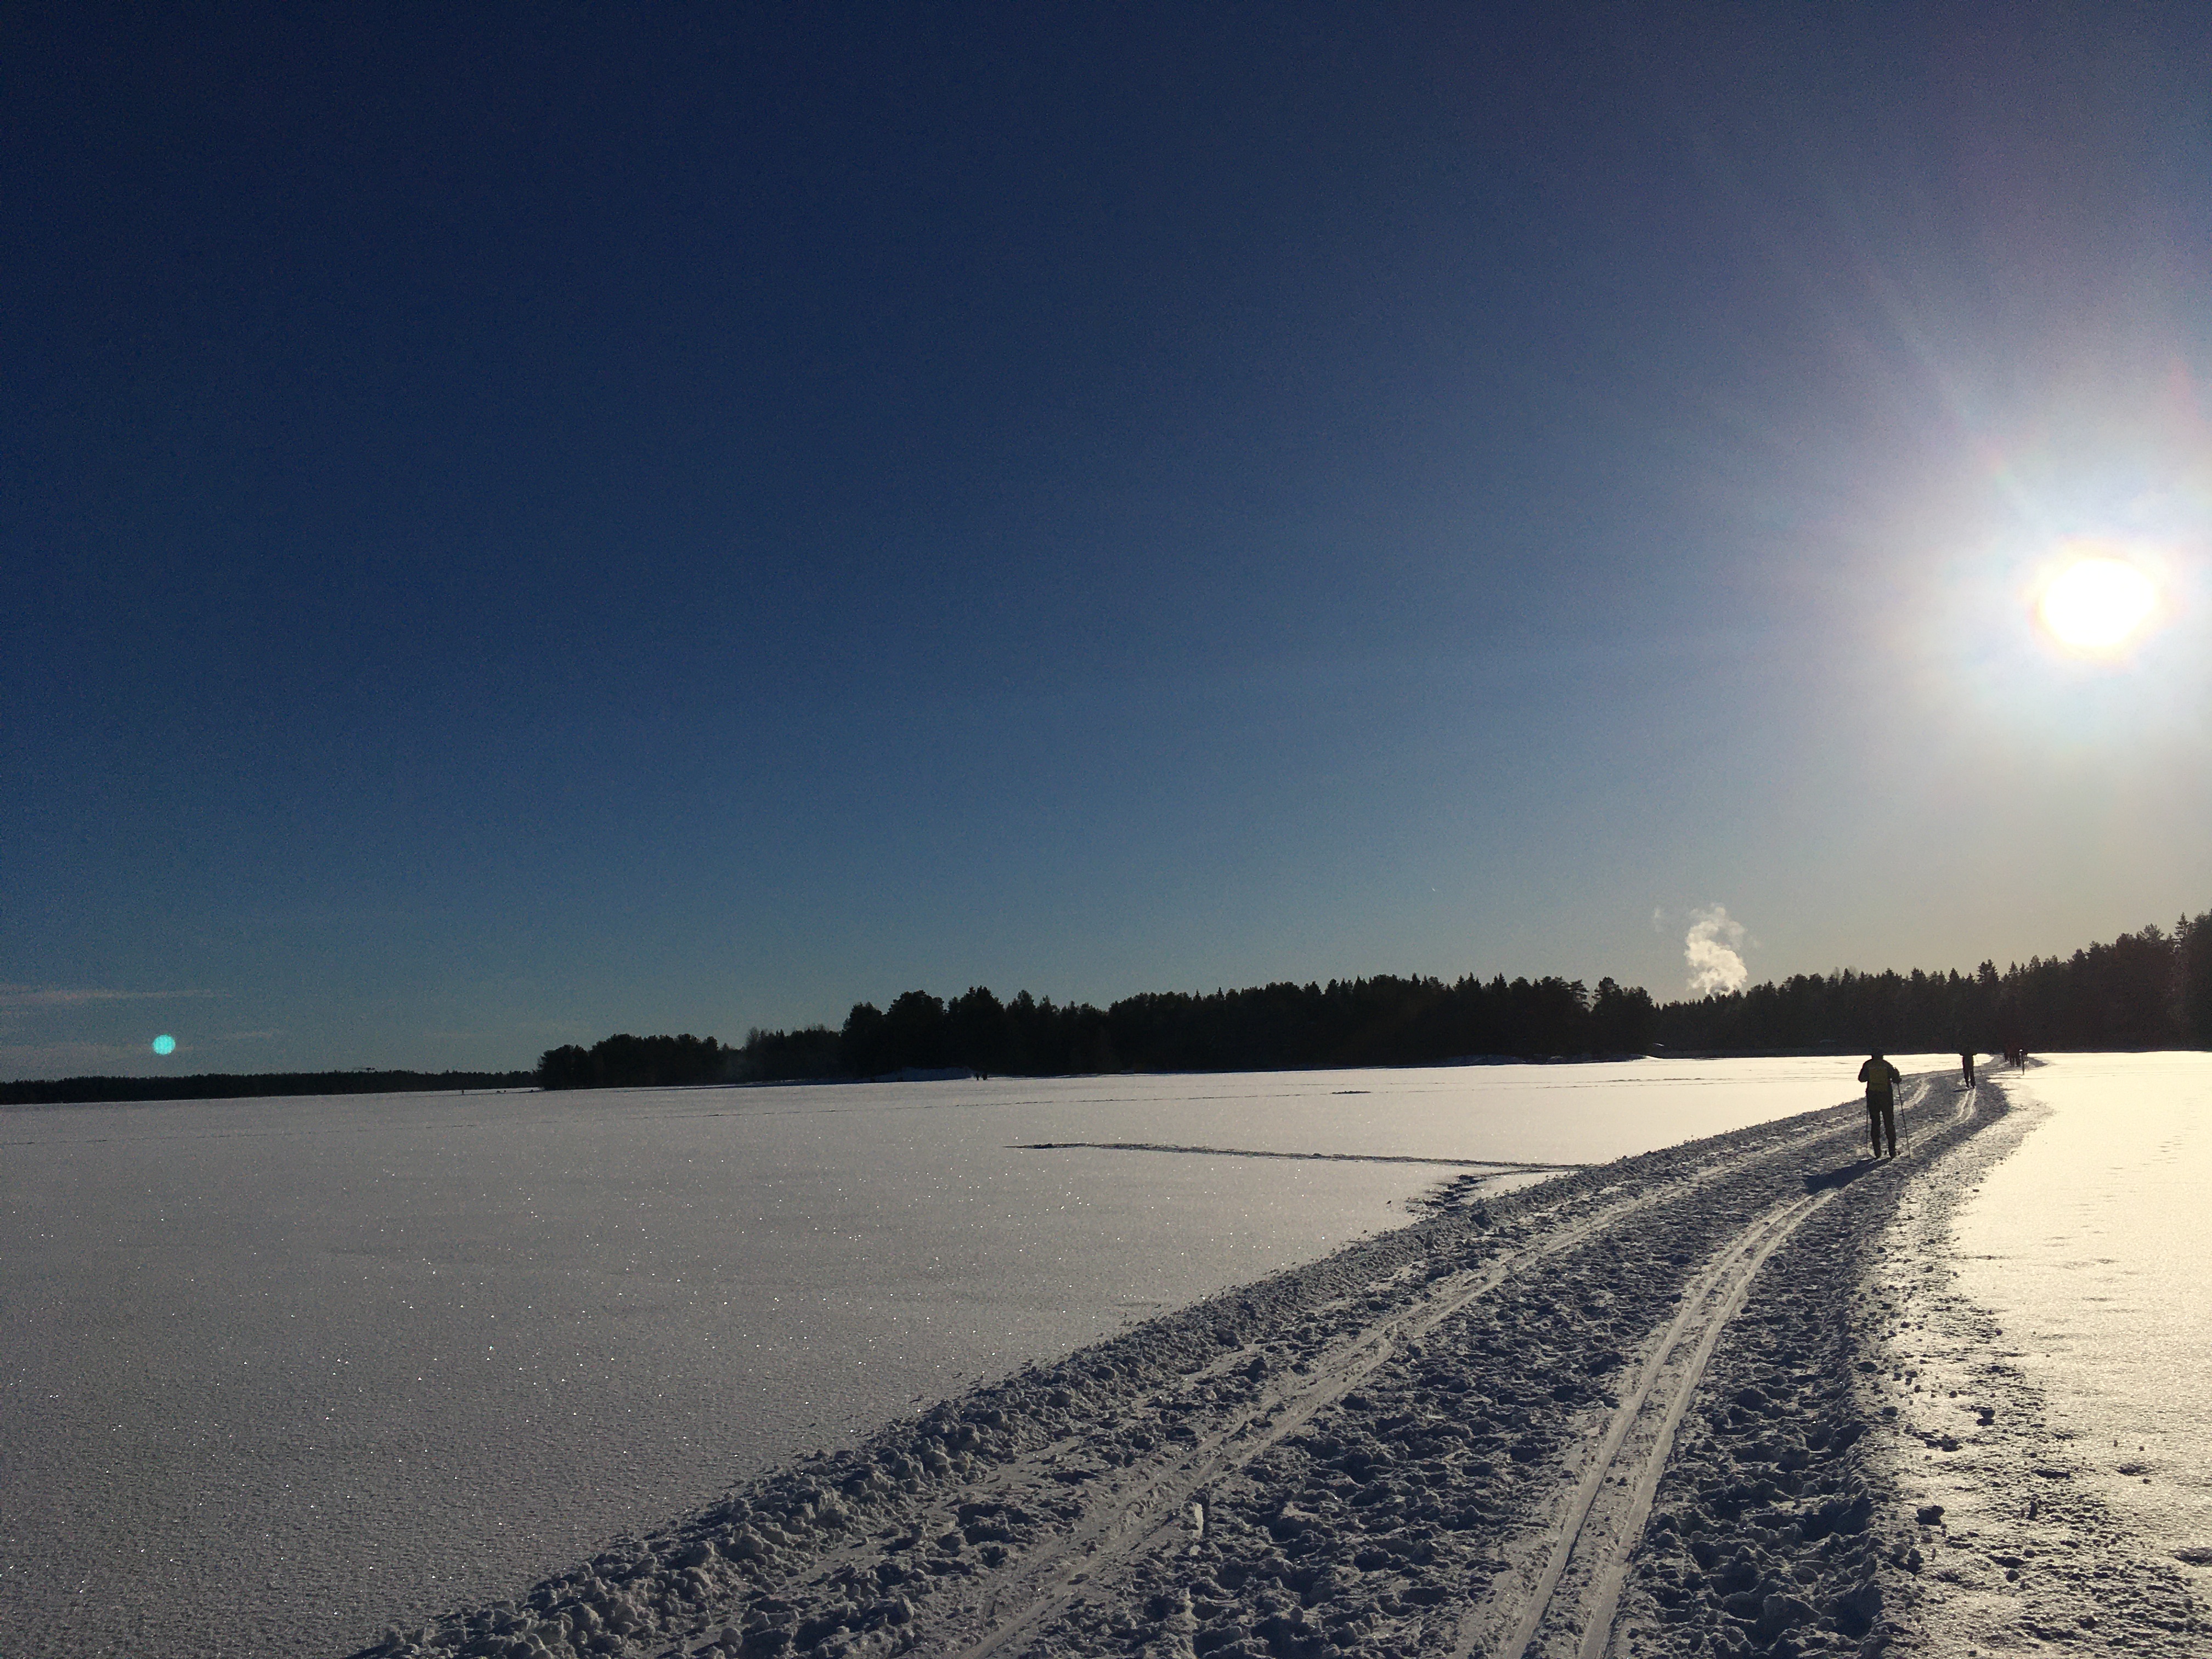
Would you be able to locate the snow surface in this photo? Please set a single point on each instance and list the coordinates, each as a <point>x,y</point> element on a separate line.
<point>1444,1439</point>
<point>1982,1470</point>
<point>2091,1246</point>
<point>278,1371</point>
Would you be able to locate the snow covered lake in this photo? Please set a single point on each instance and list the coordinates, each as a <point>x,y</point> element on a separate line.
<point>278,1371</point>
<point>2093,1244</point>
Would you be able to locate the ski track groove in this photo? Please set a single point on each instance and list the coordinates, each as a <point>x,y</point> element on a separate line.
<point>1137,1527</point>
<point>1717,1296</point>
<point>1712,1300</point>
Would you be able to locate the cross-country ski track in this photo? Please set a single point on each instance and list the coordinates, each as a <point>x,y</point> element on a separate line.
<point>1465,1437</point>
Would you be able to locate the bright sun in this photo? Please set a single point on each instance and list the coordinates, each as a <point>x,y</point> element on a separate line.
<point>2095,603</point>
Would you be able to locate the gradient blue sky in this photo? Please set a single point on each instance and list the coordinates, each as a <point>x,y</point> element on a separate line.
<point>564,520</point>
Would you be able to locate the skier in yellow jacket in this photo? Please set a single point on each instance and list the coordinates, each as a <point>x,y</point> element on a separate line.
<point>1881,1078</point>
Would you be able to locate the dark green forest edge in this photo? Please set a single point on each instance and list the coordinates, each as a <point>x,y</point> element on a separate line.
<point>2150,989</point>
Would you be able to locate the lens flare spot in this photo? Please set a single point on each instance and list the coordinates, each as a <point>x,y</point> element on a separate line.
<point>2094,605</point>
<point>165,1044</point>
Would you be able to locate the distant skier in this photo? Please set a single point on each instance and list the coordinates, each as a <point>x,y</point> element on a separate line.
<point>1880,1080</point>
<point>1966,1065</point>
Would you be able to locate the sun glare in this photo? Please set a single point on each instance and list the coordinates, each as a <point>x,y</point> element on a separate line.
<point>2096,604</point>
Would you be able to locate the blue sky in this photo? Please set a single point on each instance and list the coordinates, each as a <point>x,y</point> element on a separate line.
<point>534,525</point>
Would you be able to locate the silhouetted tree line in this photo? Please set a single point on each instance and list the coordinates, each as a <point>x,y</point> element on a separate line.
<point>2150,989</point>
<point>1384,1021</point>
<point>624,1061</point>
<point>236,1086</point>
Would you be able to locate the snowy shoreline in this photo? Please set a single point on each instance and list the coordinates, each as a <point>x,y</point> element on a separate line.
<point>1652,1398</point>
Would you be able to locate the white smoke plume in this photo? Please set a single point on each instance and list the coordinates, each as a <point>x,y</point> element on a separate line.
<point>1710,948</point>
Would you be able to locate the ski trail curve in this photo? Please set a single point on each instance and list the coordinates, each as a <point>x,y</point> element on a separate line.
<point>1149,1511</point>
<point>1140,1514</point>
<point>1573,1602</point>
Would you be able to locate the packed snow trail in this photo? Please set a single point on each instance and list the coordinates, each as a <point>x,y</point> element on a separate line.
<point>1624,1481</point>
<point>1677,1357</point>
<point>1136,1520</point>
<point>1444,1440</point>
